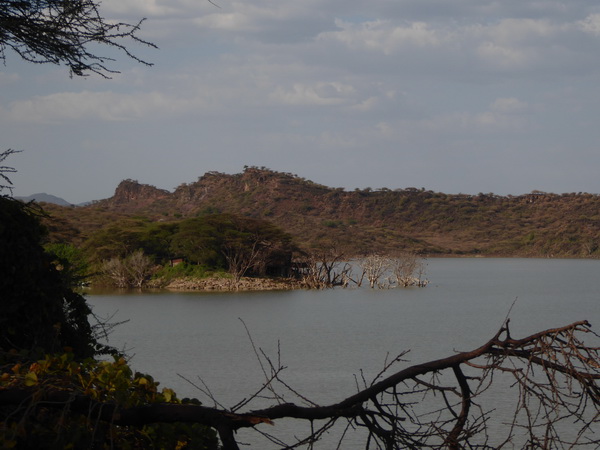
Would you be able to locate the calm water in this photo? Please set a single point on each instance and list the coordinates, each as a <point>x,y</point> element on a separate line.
<point>325,337</point>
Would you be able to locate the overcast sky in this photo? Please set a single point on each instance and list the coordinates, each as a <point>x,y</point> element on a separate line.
<point>450,95</point>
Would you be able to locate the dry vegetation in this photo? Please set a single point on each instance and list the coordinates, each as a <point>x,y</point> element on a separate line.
<point>361,222</point>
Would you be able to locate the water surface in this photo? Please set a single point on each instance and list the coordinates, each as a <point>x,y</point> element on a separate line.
<point>325,337</point>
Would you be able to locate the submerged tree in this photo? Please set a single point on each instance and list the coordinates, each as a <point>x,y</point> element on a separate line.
<point>408,270</point>
<point>374,267</point>
<point>325,267</point>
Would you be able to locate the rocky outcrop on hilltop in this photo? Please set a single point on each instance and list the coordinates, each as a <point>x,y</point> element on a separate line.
<point>133,195</point>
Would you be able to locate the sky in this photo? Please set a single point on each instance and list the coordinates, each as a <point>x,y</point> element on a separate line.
<point>456,96</point>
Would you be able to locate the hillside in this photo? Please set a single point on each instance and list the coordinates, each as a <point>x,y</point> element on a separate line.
<point>362,221</point>
<point>46,198</point>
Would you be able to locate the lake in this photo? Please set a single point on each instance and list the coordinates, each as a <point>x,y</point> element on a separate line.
<point>326,337</point>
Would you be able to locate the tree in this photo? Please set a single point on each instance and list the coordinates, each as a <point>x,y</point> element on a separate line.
<point>39,310</point>
<point>241,245</point>
<point>140,268</point>
<point>250,245</point>
<point>374,267</point>
<point>554,374</point>
<point>6,169</point>
<point>71,262</point>
<point>409,270</point>
<point>325,267</point>
<point>132,271</point>
<point>199,240</point>
<point>119,239</point>
<point>116,270</point>
<point>64,32</point>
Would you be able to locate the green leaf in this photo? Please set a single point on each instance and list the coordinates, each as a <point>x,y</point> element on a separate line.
<point>31,379</point>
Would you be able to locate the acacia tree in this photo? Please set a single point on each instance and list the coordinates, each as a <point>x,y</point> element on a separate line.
<point>6,169</point>
<point>65,32</point>
<point>251,245</point>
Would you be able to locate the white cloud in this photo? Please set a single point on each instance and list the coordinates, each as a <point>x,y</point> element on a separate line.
<point>508,105</point>
<point>520,30</point>
<point>505,57</point>
<point>366,105</point>
<point>85,105</point>
<point>321,94</point>
<point>152,8</point>
<point>500,117</point>
<point>591,24</point>
<point>382,35</point>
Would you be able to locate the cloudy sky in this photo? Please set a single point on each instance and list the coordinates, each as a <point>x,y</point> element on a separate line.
<point>451,95</point>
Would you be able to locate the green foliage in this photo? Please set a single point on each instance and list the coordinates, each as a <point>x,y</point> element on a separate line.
<point>218,241</point>
<point>71,262</point>
<point>332,223</point>
<point>123,237</point>
<point>199,240</point>
<point>214,242</point>
<point>38,308</point>
<point>209,210</point>
<point>34,425</point>
<point>184,270</point>
<point>155,239</point>
<point>117,240</point>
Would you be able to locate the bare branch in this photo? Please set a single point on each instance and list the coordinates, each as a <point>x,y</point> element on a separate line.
<point>64,32</point>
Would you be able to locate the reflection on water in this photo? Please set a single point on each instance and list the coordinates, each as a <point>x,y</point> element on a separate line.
<point>325,337</point>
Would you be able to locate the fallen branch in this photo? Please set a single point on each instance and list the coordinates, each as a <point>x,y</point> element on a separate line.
<point>556,373</point>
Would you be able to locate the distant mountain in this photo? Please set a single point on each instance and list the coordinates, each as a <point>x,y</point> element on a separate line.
<point>365,221</point>
<point>47,198</point>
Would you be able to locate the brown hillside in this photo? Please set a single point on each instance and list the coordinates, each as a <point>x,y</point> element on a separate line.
<point>366,221</point>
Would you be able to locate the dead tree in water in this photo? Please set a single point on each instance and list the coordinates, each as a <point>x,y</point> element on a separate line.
<point>404,270</point>
<point>553,375</point>
<point>325,269</point>
<point>409,270</point>
<point>374,267</point>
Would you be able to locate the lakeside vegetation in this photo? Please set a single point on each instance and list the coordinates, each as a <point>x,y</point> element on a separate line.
<point>263,223</point>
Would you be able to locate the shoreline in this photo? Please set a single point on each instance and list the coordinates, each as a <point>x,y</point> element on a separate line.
<point>226,284</point>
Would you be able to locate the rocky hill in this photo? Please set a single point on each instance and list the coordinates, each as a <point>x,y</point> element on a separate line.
<point>367,221</point>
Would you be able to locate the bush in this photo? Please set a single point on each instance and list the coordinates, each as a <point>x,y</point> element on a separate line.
<point>185,270</point>
<point>66,424</point>
<point>38,309</point>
